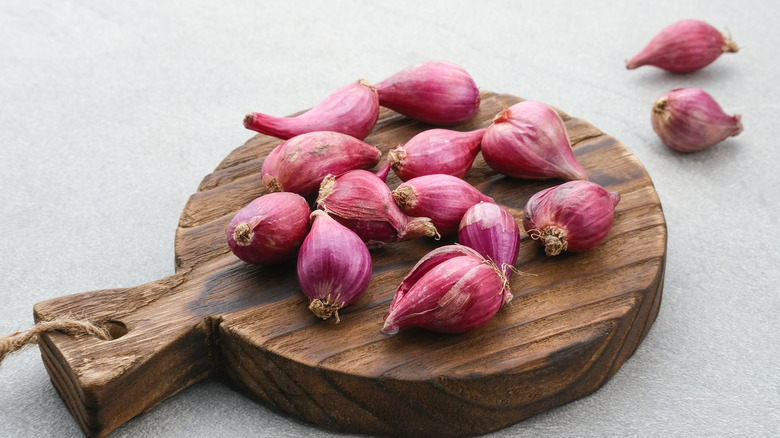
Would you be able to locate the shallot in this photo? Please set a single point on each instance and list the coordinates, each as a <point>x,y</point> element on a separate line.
<point>334,266</point>
<point>443,198</point>
<point>689,119</point>
<point>575,216</point>
<point>435,92</point>
<point>436,151</point>
<point>364,203</point>
<point>303,161</point>
<point>529,140</point>
<point>452,289</point>
<point>351,110</point>
<point>270,229</point>
<point>684,47</point>
<point>492,231</point>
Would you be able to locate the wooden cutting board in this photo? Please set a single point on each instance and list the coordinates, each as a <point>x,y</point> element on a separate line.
<point>575,318</point>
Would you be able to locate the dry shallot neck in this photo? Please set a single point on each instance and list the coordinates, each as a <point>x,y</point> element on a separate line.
<point>248,120</point>
<point>405,197</point>
<point>272,185</point>
<point>737,125</point>
<point>327,186</point>
<point>503,116</point>
<point>396,158</point>
<point>243,234</point>
<point>659,107</point>
<point>367,84</point>
<point>420,226</point>
<point>729,46</point>
<point>326,308</point>
<point>553,237</point>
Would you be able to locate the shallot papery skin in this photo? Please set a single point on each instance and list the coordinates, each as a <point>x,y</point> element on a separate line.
<point>364,203</point>
<point>450,290</point>
<point>436,151</point>
<point>334,266</point>
<point>528,140</point>
<point>304,160</point>
<point>270,229</point>
<point>270,163</point>
<point>433,258</point>
<point>689,120</point>
<point>492,231</point>
<point>351,110</point>
<point>436,92</point>
<point>684,47</point>
<point>575,216</point>
<point>443,198</point>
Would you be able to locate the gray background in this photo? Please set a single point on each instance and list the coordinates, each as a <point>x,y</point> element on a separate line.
<point>112,112</point>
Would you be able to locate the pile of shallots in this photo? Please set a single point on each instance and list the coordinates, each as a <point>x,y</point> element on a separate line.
<point>688,119</point>
<point>454,288</point>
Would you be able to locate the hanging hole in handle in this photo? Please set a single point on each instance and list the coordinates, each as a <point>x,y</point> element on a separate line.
<point>116,329</point>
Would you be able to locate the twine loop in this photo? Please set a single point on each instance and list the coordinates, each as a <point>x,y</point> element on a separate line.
<point>20,340</point>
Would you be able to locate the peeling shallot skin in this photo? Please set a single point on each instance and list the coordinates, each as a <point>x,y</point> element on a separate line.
<point>575,216</point>
<point>364,203</point>
<point>435,92</point>
<point>448,291</point>
<point>300,163</point>
<point>429,261</point>
<point>436,151</point>
<point>351,110</point>
<point>334,266</point>
<point>270,163</point>
<point>443,198</point>
<point>528,140</point>
<point>684,47</point>
<point>689,120</point>
<point>270,229</point>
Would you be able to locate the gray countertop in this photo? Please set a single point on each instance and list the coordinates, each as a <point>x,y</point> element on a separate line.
<point>112,112</point>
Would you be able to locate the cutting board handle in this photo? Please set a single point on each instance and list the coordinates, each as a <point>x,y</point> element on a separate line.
<point>160,346</point>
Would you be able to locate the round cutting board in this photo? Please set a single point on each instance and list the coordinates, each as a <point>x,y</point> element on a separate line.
<point>575,318</point>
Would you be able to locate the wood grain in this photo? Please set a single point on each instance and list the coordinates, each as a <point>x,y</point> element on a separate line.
<point>575,318</point>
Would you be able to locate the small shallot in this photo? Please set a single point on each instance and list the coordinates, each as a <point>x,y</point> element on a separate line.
<point>435,92</point>
<point>492,231</point>
<point>364,203</point>
<point>684,47</point>
<point>528,140</point>
<point>334,266</point>
<point>689,119</point>
<point>351,110</point>
<point>303,161</point>
<point>575,216</point>
<point>269,229</point>
<point>443,198</point>
<point>452,289</point>
<point>436,151</point>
